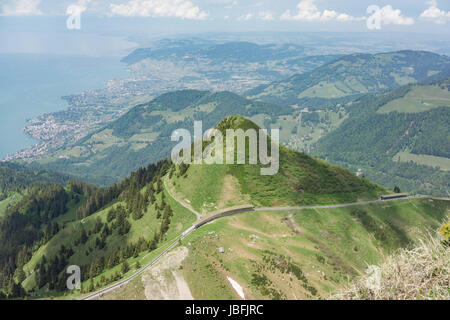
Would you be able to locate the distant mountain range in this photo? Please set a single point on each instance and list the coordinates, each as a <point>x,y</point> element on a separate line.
<point>353,75</point>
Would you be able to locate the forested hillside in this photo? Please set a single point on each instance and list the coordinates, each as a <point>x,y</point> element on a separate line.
<point>100,230</point>
<point>15,179</point>
<point>14,176</point>
<point>400,138</point>
<point>112,232</point>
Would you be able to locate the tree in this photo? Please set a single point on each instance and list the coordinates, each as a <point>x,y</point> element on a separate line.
<point>397,189</point>
<point>111,215</point>
<point>137,215</point>
<point>125,267</point>
<point>83,237</point>
<point>138,265</point>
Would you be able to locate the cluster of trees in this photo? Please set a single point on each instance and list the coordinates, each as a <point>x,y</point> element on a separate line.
<point>120,256</point>
<point>97,200</point>
<point>26,226</point>
<point>312,117</point>
<point>43,202</point>
<point>100,264</point>
<point>15,177</point>
<point>100,197</point>
<point>52,272</point>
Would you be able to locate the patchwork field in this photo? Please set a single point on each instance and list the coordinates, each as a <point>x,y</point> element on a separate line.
<point>432,161</point>
<point>419,99</point>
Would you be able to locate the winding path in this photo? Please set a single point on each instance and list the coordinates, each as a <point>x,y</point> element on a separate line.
<point>221,214</point>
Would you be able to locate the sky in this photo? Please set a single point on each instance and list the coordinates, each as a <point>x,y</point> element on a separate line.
<point>426,16</point>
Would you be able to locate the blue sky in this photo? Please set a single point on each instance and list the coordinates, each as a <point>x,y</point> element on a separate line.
<point>245,15</point>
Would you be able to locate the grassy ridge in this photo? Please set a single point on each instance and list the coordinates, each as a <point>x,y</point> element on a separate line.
<point>301,180</point>
<point>350,76</point>
<point>143,135</point>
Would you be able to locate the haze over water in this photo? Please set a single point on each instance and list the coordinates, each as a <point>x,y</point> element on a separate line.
<point>38,67</point>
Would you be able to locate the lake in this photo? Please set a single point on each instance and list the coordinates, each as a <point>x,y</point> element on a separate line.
<point>32,84</point>
<point>41,61</point>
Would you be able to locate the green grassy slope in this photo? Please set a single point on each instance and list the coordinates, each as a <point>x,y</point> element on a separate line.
<point>286,254</point>
<point>419,99</point>
<point>9,200</point>
<point>306,254</point>
<point>301,180</point>
<point>107,232</point>
<point>350,76</point>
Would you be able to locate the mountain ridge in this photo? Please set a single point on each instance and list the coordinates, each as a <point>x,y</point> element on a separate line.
<point>350,76</point>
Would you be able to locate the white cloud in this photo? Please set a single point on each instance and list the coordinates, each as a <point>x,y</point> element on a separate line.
<point>246,17</point>
<point>389,15</point>
<point>266,15</point>
<point>184,9</point>
<point>345,17</point>
<point>78,7</point>
<point>226,3</point>
<point>20,8</point>
<point>232,5</point>
<point>433,13</point>
<point>308,11</point>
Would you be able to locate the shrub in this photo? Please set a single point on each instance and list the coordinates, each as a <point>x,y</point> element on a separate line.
<point>419,273</point>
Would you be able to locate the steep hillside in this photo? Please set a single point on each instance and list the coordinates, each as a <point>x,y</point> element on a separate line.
<point>107,232</point>
<point>351,76</point>
<point>301,254</point>
<point>296,254</point>
<point>400,138</point>
<point>301,180</point>
<point>417,273</point>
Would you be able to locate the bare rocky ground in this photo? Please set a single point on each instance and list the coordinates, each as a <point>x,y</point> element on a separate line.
<point>165,281</point>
